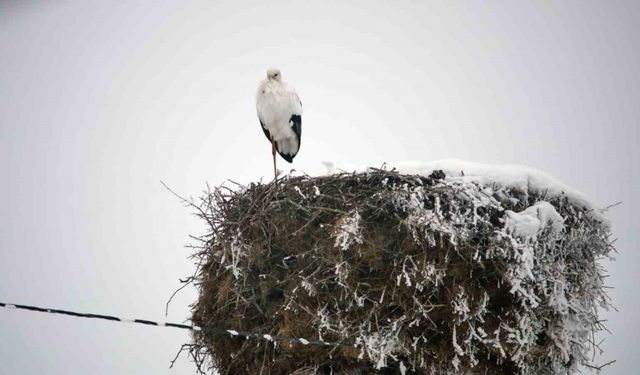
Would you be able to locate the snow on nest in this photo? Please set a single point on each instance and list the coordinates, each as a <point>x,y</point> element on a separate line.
<point>522,178</point>
<point>532,220</point>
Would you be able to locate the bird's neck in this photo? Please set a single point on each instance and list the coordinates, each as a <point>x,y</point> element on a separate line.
<point>274,86</point>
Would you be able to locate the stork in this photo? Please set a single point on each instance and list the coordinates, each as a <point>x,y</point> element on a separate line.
<point>280,115</point>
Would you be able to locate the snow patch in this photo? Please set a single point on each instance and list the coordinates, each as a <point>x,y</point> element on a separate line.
<point>528,223</point>
<point>518,177</point>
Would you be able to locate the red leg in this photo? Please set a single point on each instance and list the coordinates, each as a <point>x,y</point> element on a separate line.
<point>273,153</point>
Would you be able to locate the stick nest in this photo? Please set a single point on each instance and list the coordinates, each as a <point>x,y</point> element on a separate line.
<point>410,274</point>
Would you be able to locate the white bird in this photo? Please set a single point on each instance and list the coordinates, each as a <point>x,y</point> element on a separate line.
<point>280,115</point>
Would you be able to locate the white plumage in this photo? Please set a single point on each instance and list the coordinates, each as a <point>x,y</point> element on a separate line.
<point>280,115</point>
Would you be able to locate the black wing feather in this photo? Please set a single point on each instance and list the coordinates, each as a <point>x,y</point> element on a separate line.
<point>296,126</point>
<point>264,129</point>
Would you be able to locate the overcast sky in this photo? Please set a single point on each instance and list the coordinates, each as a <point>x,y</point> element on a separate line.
<point>100,100</point>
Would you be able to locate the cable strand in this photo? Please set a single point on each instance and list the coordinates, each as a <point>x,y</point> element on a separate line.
<point>211,329</point>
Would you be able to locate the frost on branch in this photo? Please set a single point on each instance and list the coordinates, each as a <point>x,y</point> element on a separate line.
<point>413,274</point>
<point>348,231</point>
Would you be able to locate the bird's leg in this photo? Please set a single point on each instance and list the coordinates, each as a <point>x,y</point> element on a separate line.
<point>273,153</point>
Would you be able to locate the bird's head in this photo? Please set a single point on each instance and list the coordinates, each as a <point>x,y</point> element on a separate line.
<point>274,75</point>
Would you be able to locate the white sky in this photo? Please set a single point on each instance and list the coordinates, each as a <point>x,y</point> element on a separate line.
<point>99,101</point>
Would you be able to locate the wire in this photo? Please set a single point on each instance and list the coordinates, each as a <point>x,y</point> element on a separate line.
<point>210,329</point>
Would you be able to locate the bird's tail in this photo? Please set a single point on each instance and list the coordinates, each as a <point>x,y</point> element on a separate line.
<point>287,157</point>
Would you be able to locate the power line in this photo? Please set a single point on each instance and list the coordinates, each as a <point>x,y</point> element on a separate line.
<point>209,329</point>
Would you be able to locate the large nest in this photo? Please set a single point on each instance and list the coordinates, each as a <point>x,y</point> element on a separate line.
<point>410,274</point>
